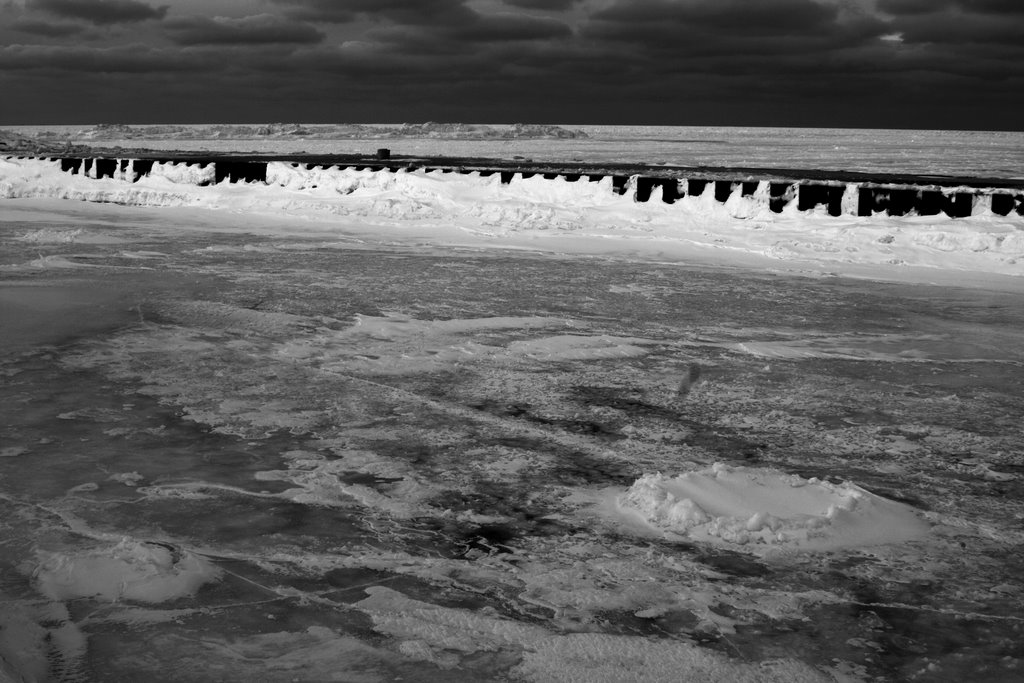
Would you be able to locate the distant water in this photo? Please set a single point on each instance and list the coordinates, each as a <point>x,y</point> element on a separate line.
<point>995,154</point>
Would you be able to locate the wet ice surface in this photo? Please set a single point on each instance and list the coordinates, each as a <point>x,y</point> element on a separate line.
<point>261,459</point>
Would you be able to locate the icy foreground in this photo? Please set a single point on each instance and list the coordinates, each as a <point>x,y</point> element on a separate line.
<point>350,441</point>
<point>553,214</point>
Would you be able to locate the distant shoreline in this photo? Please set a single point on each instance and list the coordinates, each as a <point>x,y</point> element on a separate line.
<point>935,157</point>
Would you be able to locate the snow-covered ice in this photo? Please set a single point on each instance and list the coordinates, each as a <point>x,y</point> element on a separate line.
<point>369,426</point>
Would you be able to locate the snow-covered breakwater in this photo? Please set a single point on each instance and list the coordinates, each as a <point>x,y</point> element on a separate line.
<point>817,221</point>
<point>836,197</point>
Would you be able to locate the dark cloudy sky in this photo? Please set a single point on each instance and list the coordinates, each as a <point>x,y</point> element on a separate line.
<point>858,63</point>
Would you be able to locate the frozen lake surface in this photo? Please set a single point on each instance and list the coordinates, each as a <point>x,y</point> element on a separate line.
<point>233,448</point>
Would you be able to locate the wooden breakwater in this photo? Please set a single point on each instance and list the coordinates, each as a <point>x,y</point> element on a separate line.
<point>834,192</point>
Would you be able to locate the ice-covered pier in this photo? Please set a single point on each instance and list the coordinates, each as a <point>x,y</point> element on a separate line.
<point>837,193</point>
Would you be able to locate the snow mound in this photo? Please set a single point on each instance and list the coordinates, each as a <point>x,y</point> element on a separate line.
<point>130,570</point>
<point>762,509</point>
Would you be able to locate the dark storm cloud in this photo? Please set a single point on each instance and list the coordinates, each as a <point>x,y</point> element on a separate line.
<point>790,60</point>
<point>934,63</point>
<point>781,17</point>
<point>978,29</point>
<point>45,28</point>
<point>985,23</point>
<point>912,7</point>
<point>903,7</point>
<point>750,33</point>
<point>506,27</point>
<point>480,38</point>
<point>318,10</point>
<point>410,12</point>
<point>552,5</point>
<point>992,6</point>
<point>127,59</point>
<point>100,12</point>
<point>482,34</point>
<point>256,30</point>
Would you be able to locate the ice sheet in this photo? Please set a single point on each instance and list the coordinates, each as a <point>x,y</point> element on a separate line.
<point>384,449</point>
